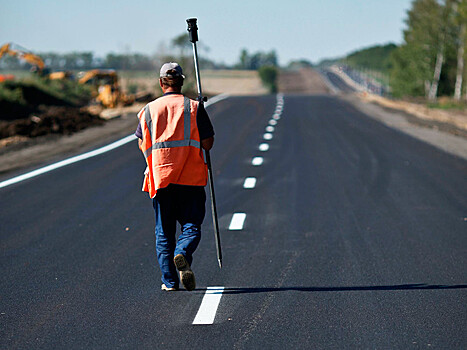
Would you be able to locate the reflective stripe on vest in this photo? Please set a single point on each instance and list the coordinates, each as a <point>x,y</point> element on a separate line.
<point>172,144</point>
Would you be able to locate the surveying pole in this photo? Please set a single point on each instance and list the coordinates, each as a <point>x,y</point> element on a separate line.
<point>193,31</point>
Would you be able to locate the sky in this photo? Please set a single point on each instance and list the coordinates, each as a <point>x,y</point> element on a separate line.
<point>296,29</point>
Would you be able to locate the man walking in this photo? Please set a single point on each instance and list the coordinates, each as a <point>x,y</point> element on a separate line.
<point>173,130</point>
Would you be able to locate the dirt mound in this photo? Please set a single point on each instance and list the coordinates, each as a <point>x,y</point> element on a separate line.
<point>10,110</point>
<point>40,107</point>
<point>50,120</point>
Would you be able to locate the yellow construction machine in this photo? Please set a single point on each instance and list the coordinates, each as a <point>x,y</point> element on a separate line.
<point>21,53</point>
<point>106,87</point>
<point>38,65</point>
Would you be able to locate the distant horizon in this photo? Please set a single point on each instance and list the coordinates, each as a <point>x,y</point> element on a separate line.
<point>298,29</point>
<point>206,57</point>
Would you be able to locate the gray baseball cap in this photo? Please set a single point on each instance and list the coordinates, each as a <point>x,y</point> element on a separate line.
<point>171,69</point>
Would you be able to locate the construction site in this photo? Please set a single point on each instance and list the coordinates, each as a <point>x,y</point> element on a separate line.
<point>61,102</point>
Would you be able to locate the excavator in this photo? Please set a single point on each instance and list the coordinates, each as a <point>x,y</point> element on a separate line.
<point>16,51</point>
<point>106,87</point>
<point>38,65</point>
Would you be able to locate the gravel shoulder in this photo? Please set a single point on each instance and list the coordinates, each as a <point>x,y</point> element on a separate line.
<point>446,130</point>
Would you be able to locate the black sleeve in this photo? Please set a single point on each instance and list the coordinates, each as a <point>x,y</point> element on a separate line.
<point>139,131</point>
<point>204,123</point>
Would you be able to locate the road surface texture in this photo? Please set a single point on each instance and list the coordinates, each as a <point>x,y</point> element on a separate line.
<point>354,237</point>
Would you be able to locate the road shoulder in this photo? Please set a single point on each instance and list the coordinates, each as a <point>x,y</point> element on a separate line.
<point>48,149</point>
<point>441,135</point>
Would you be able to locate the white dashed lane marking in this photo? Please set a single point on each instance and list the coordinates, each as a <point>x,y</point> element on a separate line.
<point>207,311</point>
<point>250,182</point>
<point>257,161</point>
<point>238,219</point>
<point>208,308</point>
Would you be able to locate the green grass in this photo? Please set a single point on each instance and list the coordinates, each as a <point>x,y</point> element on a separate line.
<point>448,105</point>
<point>66,90</point>
<point>18,74</point>
<point>14,95</point>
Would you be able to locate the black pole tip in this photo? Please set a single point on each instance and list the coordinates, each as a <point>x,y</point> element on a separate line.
<point>192,29</point>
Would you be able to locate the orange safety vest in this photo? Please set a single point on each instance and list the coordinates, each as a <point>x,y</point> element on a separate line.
<point>171,143</point>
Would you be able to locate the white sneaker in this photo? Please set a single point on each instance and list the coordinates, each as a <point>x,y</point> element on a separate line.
<point>167,289</point>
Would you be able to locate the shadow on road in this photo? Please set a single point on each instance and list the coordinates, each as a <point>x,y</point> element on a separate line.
<point>418,286</point>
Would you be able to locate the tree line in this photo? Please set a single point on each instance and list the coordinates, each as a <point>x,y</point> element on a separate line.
<point>86,61</point>
<point>376,58</point>
<point>431,60</point>
<point>140,62</point>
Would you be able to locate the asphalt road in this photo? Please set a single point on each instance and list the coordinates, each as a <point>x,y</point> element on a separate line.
<point>354,237</point>
<point>337,82</point>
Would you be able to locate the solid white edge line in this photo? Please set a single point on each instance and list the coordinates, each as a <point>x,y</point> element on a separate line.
<point>238,219</point>
<point>87,155</point>
<point>208,308</point>
<point>68,161</point>
<point>216,99</point>
<point>250,182</point>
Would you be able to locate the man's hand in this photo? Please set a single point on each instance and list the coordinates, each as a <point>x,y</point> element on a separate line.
<point>207,143</point>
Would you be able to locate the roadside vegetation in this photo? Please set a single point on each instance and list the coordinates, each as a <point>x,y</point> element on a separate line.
<point>429,64</point>
<point>268,75</point>
<point>29,93</point>
<point>431,61</point>
<point>377,58</point>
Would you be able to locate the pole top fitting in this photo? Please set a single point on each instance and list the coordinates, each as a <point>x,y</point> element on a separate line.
<point>192,29</point>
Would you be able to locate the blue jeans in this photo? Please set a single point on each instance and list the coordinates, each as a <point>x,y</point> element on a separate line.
<point>185,205</point>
